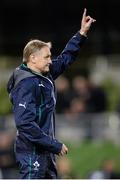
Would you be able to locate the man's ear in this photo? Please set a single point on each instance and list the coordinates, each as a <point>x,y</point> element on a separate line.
<point>32,58</point>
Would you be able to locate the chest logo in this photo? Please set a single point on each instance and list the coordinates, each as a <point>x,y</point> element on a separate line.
<point>41,85</point>
<point>23,105</point>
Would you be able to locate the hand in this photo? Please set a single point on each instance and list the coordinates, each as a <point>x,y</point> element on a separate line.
<point>86,23</point>
<point>64,150</point>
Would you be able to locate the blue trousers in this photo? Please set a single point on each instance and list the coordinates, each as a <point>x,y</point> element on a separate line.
<point>36,166</point>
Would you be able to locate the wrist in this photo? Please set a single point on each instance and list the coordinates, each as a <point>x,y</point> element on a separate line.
<point>83,33</point>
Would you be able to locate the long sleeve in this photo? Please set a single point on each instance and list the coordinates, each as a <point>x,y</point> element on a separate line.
<point>67,56</point>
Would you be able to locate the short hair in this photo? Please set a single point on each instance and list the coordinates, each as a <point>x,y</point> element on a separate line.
<point>33,46</point>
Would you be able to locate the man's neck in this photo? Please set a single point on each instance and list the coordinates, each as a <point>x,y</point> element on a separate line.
<point>34,69</point>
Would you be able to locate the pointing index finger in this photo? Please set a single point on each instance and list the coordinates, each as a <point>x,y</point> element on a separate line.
<point>84,13</point>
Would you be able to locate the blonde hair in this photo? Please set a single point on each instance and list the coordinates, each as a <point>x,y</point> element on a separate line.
<point>33,46</point>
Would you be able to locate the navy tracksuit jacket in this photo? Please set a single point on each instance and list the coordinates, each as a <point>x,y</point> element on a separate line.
<point>33,98</point>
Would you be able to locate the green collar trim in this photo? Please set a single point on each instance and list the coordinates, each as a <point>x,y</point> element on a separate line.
<point>34,72</point>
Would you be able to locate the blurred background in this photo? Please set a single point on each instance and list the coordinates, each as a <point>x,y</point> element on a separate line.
<point>88,106</point>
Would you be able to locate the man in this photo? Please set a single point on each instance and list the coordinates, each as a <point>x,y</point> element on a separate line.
<point>32,92</point>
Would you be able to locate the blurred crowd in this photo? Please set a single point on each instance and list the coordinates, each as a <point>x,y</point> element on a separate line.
<point>79,95</point>
<point>107,170</point>
<point>8,168</point>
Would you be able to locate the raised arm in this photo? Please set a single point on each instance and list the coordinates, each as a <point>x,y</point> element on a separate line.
<point>72,48</point>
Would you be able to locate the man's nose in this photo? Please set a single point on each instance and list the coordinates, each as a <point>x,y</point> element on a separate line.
<point>50,60</point>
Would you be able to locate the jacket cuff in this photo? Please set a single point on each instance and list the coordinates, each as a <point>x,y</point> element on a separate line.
<point>57,147</point>
<point>81,38</point>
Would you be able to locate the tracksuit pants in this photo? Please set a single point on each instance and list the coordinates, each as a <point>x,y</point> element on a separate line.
<point>36,166</point>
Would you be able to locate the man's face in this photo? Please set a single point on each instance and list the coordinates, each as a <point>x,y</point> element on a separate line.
<point>42,59</point>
